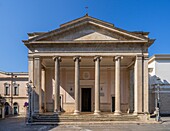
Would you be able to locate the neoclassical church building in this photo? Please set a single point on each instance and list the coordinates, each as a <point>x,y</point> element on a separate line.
<point>89,65</point>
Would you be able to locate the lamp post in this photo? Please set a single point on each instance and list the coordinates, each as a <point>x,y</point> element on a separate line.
<point>157,105</point>
<point>29,91</point>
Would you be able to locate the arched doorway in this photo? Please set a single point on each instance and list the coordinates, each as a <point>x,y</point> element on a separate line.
<point>7,108</point>
<point>16,108</point>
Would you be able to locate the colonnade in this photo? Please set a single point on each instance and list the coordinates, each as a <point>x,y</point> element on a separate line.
<point>140,81</point>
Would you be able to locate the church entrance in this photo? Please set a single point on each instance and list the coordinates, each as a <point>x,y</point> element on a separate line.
<point>86,100</point>
<point>113,104</point>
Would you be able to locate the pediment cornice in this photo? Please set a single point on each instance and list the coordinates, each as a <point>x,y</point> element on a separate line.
<point>85,21</point>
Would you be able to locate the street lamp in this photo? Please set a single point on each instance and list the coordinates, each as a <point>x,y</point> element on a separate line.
<point>157,105</point>
<point>29,91</point>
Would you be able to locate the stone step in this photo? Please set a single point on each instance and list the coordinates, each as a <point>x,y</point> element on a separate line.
<point>83,118</point>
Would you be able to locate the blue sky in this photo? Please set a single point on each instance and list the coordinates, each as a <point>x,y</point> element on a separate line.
<point>18,17</point>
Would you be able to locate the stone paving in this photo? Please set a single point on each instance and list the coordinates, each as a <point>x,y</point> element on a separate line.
<point>18,124</point>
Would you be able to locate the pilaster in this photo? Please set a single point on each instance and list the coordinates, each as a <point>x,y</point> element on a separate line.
<point>145,85</point>
<point>138,92</point>
<point>37,84</point>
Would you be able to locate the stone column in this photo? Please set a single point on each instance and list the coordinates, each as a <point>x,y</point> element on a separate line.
<point>37,85</point>
<point>131,91</point>
<point>97,60</point>
<point>43,89</point>
<point>57,84</point>
<point>3,112</point>
<point>30,79</point>
<point>138,85</point>
<point>117,86</point>
<point>145,85</point>
<point>77,85</point>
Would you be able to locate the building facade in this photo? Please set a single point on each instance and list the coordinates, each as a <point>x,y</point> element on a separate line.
<point>13,90</point>
<point>88,65</point>
<point>159,68</point>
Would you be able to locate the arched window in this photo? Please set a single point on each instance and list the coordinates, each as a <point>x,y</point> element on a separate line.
<point>16,108</point>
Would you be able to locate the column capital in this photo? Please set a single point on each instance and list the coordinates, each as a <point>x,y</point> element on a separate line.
<point>97,58</point>
<point>117,57</point>
<point>146,58</point>
<point>36,56</point>
<point>30,58</point>
<point>77,58</point>
<point>139,57</point>
<point>42,67</point>
<point>57,58</point>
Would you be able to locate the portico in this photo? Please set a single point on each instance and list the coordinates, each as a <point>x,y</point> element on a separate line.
<point>93,56</point>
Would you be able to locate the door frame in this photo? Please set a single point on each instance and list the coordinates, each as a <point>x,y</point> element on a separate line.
<point>86,86</point>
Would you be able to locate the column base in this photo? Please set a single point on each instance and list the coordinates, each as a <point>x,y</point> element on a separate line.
<point>76,112</point>
<point>135,113</point>
<point>116,113</point>
<point>40,111</point>
<point>36,112</point>
<point>97,112</point>
<point>29,120</point>
<point>57,112</point>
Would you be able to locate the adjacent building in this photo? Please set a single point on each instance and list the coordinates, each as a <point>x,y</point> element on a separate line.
<point>13,90</point>
<point>88,65</point>
<point>159,67</point>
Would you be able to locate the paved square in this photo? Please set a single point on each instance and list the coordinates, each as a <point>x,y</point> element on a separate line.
<point>18,124</point>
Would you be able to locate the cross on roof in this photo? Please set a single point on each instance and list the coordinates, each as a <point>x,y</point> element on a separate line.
<point>86,10</point>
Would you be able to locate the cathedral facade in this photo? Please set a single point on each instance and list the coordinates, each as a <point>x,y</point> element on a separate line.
<point>88,65</point>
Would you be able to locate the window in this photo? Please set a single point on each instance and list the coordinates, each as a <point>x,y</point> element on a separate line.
<point>6,90</point>
<point>16,90</point>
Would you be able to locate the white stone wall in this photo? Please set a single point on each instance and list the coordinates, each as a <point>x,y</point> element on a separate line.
<point>161,69</point>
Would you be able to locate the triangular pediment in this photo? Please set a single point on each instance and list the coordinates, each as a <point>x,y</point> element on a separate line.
<point>84,32</point>
<point>96,36</point>
<point>86,28</point>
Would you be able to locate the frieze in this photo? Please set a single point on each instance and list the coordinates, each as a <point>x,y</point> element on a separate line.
<point>121,47</point>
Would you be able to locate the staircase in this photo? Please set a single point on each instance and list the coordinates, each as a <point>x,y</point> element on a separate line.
<point>54,119</point>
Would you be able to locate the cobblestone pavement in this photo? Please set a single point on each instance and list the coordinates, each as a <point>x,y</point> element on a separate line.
<point>18,124</point>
